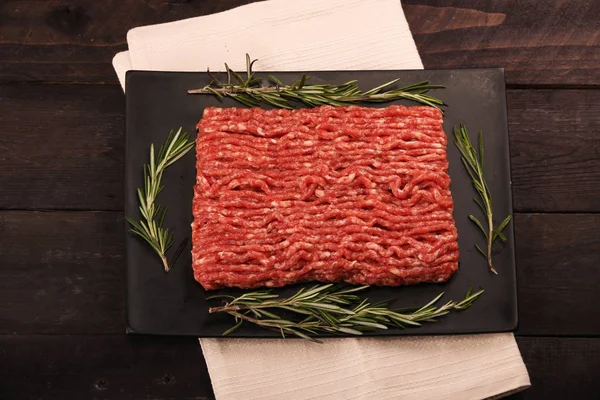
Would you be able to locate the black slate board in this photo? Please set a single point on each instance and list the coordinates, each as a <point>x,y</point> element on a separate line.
<point>174,304</point>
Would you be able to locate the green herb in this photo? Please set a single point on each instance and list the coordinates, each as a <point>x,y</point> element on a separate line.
<point>150,226</point>
<point>249,91</point>
<point>329,309</point>
<point>473,162</point>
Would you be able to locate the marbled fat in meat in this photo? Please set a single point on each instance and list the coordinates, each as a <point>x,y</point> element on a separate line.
<point>330,194</point>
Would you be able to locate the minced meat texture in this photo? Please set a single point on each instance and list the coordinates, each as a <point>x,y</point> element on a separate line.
<point>331,194</point>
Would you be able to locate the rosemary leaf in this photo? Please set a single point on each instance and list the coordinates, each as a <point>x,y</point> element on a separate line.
<point>371,324</point>
<point>213,91</point>
<point>254,81</point>
<point>302,335</point>
<point>470,298</point>
<point>476,221</point>
<point>231,73</point>
<point>500,235</point>
<point>503,224</point>
<point>431,303</point>
<point>480,250</point>
<point>379,88</point>
<point>349,330</point>
<point>233,328</point>
<point>480,205</point>
<point>248,66</point>
<point>314,290</point>
<point>270,314</point>
<point>275,80</point>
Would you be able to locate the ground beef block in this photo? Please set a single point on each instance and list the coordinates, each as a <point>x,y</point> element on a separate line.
<point>330,194</point>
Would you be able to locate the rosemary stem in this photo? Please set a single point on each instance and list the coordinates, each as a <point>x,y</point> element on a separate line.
<point>279,89</point>
<point>490,237</point>
<point>490,223</point>
<point>227,90</point>
<point>226,308</point>
<point>165,262</point>
<point>234,307</point>
<point>253,320</point>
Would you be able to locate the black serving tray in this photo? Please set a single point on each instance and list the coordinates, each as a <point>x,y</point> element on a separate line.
<point>175,304</point>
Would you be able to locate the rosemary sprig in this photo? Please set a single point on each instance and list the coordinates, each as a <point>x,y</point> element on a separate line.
<point>150,227</point>
<point>473,162</point>
<point>250,91</point>
<point>329,309</point>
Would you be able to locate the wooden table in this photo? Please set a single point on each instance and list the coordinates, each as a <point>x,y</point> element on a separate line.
<point>62,275</point>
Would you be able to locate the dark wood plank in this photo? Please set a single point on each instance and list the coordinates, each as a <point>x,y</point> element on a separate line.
<point>63,148</point>
<point>553,42</point>
<point>62,272</point>
<point>119,367</point>
<point>558,259</point>
<point>555,149</point>
<point>102,368</point>
<point>561,368</point>
<point>550,42</point>
<point>75,40</point>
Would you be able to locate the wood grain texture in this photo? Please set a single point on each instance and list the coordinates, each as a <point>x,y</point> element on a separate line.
<point>555,149</point>
<point>62,147</point>
<point>551,42</point>
<point>75,40</point>
<point>119,367</point>
<point>558,270</point>
<point>102,368</point>
<point>561,368</point>
<point>554,42</point>
<point>62,272</point>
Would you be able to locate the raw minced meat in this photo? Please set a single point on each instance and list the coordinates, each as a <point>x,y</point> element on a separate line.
<point>330,194</point>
